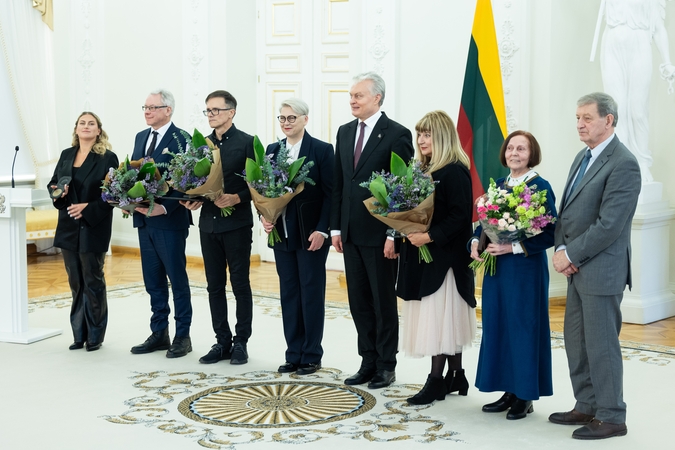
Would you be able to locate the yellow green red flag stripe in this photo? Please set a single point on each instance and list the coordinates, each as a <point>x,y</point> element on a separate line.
<point>482,116</point>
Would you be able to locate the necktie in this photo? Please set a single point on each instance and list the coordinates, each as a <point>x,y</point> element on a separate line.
<point>582,171</point>
<point>153,143</point>
<point>359,144</point>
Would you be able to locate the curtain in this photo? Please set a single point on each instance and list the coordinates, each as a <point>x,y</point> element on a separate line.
<point>26,45</point>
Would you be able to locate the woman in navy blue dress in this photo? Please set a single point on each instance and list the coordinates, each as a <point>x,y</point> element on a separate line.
<point>515,352</point>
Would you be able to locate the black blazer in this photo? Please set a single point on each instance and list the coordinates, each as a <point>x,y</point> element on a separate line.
<point>450,229</point>
<point>177,217</point>
<point>235,146</point>
<point>317,197</point>
<point>348,213</point>
<point>92,232</point>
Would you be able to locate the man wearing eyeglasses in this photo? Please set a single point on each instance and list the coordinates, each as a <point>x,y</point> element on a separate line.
<point>162,236</point>
<point>226,240</point>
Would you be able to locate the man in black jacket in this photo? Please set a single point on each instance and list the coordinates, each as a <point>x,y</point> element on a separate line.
<point>363,146</point>
<point>226,239</point>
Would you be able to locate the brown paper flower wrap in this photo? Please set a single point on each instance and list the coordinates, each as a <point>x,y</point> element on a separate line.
<point>272,208</point>
<point>416,220</point>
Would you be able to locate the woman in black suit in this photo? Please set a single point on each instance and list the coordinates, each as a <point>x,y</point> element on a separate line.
<point>301,255</point>
<point>439,319</point>
<point>84,227</point>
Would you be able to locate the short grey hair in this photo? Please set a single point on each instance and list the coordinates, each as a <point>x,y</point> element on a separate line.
<point>298,106</point>
<point>167,98</point>
<point>605,103</point>
<point>378,86</point>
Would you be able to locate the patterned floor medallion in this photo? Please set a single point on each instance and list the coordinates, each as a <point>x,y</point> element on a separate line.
<point>276,404</point>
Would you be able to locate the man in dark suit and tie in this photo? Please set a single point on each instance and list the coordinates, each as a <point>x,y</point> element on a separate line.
<point>226,240</point>
<point>592,241</point>
<point>301,255</point>
<point>362,147</point>
<point>162,236</point>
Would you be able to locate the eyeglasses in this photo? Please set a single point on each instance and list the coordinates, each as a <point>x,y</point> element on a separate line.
<point>152,108</point>
<point>215,111</point>
<point>289,119</point>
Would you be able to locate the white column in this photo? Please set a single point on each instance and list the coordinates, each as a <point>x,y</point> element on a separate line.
<point>13,267</point>
<point>651,298</point>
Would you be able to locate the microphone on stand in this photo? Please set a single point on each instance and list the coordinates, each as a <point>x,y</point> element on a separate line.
<point>16,151</point>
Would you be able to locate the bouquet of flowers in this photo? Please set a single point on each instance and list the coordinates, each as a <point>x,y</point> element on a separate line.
<point>196,171</point>
<point>403,199</point>
<point>510,216</point>
<point>274,182</point>
<point>134,183</point>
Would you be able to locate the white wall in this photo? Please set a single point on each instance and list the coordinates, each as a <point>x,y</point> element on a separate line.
<point>12,133</point>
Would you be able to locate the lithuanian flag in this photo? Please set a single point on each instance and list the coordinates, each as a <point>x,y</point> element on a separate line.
<point>482,117</point>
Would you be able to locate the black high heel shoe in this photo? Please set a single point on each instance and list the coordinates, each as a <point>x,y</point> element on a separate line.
<point>520,409</point>
<point>502,404</point>
<point>457,382</point>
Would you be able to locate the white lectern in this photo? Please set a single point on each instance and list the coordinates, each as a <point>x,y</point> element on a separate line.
<point>13,265</point>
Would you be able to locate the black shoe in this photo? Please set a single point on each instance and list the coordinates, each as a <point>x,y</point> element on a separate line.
<point>573,417</point>
<point>306,369</point>
<point>457,382</point>
<point>360,377</point>
<point>76,346</point>
<point>502,404</point>
<point>382,378</point>
<point>181,346</point>
<point>239,354</point>
<point>434,389</point>
<point>217,353</point>
<point>598,429</point>
<point>93,346</point>
<point>287,368</point>
<point>520,409</point>
<point>158,340</point>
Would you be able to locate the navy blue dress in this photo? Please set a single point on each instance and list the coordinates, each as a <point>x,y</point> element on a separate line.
<point>515,351</point>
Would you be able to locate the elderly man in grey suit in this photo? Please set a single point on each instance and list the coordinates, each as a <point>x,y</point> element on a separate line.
<point>592,241</point>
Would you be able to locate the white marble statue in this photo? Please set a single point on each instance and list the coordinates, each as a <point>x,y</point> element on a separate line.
<point>626,65</point>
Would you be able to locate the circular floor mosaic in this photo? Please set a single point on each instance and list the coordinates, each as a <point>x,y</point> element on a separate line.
<point>276,404</point>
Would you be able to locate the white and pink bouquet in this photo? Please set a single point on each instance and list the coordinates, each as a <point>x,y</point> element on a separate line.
<point>510,216</point>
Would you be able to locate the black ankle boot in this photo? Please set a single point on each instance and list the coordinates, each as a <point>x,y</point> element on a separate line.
<point>457,382</point>
<point>434,389</point>
<point>502,404</point>
<point>520,409</point>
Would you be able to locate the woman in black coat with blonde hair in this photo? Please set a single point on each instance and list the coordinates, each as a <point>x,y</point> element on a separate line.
<point>84,227</point>
<point>438,316</point>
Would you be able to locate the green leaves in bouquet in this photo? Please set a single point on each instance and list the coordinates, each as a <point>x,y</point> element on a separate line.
<point>253,171</point>
<point>147,169</point>
<point>138,190</point>
<point>379,191</point>
<point>294,168</point>
<point>203,167</point>
<point>259,151</point>
<point>198,139</point>
<point>399,167</point>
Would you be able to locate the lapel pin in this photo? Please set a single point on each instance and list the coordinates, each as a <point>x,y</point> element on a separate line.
<point>379,136</point>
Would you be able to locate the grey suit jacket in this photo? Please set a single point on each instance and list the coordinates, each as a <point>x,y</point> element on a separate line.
<point>594,223</point>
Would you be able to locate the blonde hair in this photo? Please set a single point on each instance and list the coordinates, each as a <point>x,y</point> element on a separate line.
<point>102,144</point>
<point>446,148</point>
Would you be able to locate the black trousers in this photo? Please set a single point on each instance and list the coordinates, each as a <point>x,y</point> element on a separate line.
<point>371,286</point>
<point>229,250</point>
<point>89,312</point>
<point>302,284</point>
